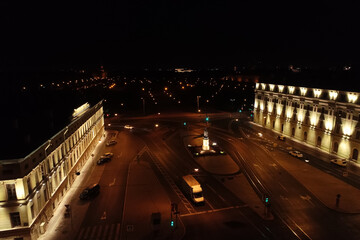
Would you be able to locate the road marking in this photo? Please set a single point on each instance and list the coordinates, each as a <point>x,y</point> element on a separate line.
<point>87,232</point>
<point>93,232</point>
<point>307,198</point>
<point>99,232</point>
<point>113,183</point>
<point>212,189</point>
<point>81,233</point>
<point>211,211</point>
<point>106,231</point>
<point>117,234</point>
<point>209,204</point>
<point>283,187</point>
<point>111,232</point>
<point>283,197</point>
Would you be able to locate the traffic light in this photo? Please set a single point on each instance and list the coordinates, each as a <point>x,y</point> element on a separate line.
<point>172,223</point>
<point>267,200</point>
<point>207,119</point>
<point>184,123</point>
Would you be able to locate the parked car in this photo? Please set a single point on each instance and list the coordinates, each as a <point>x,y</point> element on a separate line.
<point>281,137</point>
<point>103,160</point>
<point>111,142</point>
<point>90,192</point>
<point>296,154</point>
<point>107,155</point>
<point>340,161</point>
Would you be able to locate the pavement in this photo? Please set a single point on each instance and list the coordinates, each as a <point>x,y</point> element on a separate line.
<point>321,184</point>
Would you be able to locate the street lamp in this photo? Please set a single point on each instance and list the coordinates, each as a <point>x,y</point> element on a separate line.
<point>143,100</point>
<point>198,105</point>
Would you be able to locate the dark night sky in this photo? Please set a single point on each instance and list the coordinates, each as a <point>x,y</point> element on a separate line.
<point>178,32</point>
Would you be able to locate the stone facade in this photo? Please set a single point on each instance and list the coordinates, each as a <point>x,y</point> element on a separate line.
<point>32,187</point>
<point>326,119</point>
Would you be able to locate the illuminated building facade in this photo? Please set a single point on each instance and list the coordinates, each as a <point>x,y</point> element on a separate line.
<point>327,119</point>
<point>31,188</point>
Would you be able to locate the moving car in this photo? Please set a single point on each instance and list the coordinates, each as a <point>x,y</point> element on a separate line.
<point>90,192</point>
<point>296,154</point>
<point>128,127</point>
<point>281,137</point>
<point>341,162</point>
<point>103,160</point>
<point>111,142</point>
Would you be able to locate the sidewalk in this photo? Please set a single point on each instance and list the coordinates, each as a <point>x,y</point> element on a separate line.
<point>321,184</point>
<point>60,227</point>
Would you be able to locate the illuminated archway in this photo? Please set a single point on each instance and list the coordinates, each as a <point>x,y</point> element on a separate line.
<point>355,154</point>
<point>318,143</point>
<point>336,147</point>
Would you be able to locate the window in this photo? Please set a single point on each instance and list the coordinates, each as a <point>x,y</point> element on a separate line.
<point>357,135</point>
<point>11,191</point>
<point>337,129</point>
<point>45,194</point>
<point>29,185</point>
<point>355,154</point>
<point>336,147</point>
<point>32,211</point>
<point>15,219</point>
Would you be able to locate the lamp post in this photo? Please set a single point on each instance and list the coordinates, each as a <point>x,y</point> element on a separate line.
<point>198,105</point>
<point>143,100</point>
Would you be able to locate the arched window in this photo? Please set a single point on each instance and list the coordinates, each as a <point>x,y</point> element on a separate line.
<point>293,132</point>
<point>318,141</point>
<point>336,147</point>
<point>305,136</point>
<point>355,154</point>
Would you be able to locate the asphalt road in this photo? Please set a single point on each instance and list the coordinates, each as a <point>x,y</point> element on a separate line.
<point>105,211</point>
<point>297,213</point>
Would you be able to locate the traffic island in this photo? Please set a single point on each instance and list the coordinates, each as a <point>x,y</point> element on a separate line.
<point>210,156</point>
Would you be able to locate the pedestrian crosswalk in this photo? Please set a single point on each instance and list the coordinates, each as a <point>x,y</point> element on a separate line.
<point>97,232</point>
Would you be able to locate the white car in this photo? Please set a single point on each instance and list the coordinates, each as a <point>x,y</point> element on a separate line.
<point>296,154</point>
<point>111,142</point>
<point>341,162</point>
<point>128,127</point>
